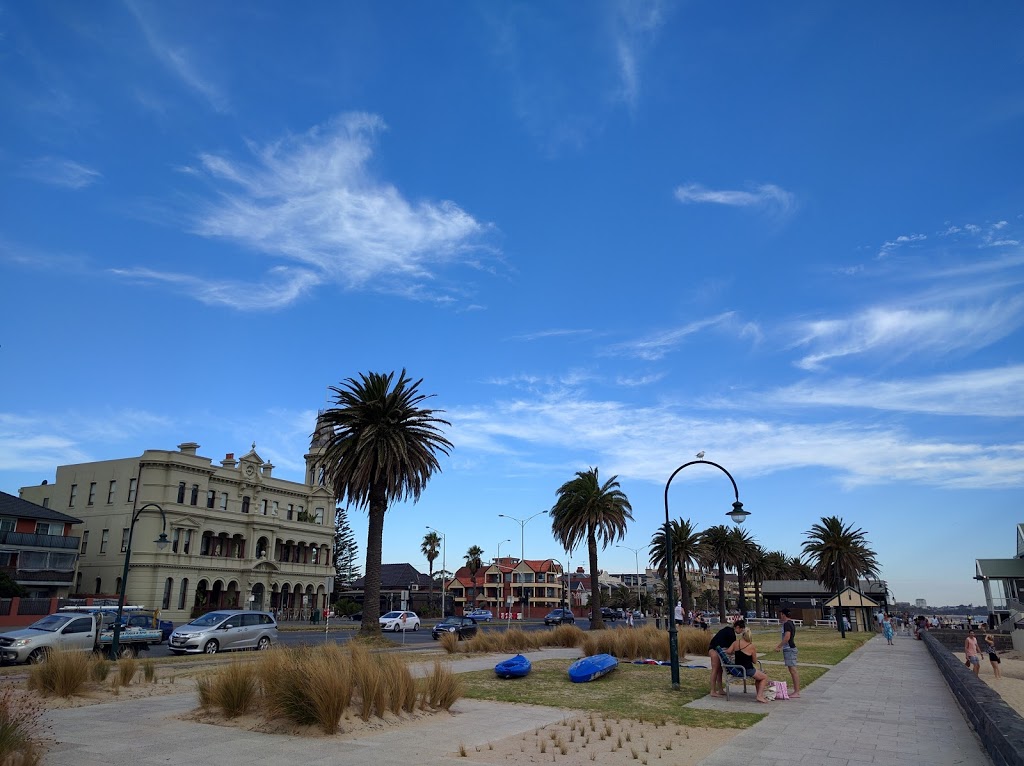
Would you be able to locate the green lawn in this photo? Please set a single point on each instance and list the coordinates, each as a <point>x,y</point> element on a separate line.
<point>816,645</point>
<point>639,692</point>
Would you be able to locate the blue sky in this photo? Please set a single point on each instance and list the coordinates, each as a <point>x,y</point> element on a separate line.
<point>607,235</point>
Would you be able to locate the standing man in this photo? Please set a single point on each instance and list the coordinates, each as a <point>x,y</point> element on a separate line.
<point>679,613</point>
<point>723,639</point>
<point>972,652</point>
<point>788,647</point>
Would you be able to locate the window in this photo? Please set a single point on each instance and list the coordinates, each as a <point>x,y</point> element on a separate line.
<point>245,504</point>
<point>44,528</point>
<point>223,501</point>
<point>188,541</point>
<point>181,492</point>
<point>92,493</point>
<point>81,625</point>
<point>316,555</point>
<point>78,583</point>
<point>117,586</point>
<point>194,497</point>
<point>124,539</point>
<point>274,508</point>
<point>74,492</point>
<point>263,507</point>
<point>104,537</point>
<point>167,593</point>
<point>183,593</point>
<point>211,497</point>
<point>99,585</point>
<point>111,491</point>
<point>85,541</point>
<point>318,517</point>
<point>322,476</point>
<point>46,502</point>
<point>133,484</point>
<point>291,511</point>
<point>175,536</point>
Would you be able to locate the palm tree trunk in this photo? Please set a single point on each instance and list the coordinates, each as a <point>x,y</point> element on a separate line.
<point>374,537</point>
<point>721,590</point>
<point>430,588</point>
<point>596,621</point>
<point>684,590</point>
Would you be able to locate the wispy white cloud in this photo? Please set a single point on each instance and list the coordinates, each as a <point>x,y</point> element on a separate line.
<point>178,60</point>
<point>313,200</point>
<point>996,392</point>
<point>660,344</point>
<point>764,196</point>
<point>636,25</point>
<point>635,381</point>
<point>60,171</point>
<point>643,443</point>
<point>987,235</point>
<point>888,248</point>
<point>282,287</point>
<point>542,334</point>
<point>900,332</point>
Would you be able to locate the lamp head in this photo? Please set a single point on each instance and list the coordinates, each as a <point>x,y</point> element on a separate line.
<point>162,541</point>
<point>737,514</point>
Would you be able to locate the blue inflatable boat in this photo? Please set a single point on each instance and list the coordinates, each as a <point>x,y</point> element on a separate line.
<point>517,667</point>
<point>589,668</point>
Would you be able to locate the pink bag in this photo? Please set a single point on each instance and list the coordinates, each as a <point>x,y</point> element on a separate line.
<point>781,690</point>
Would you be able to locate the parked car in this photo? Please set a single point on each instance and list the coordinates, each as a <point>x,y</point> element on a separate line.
<point>560,617</point>
<point>463,627</point>
<point>224,630</point>
<point>397,621</point>
<point>357,616</point>
<point>481,615</point>
<point>620,614</point>
<point>606,613</point>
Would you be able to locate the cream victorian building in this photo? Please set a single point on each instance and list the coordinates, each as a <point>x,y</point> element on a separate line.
<point>239,537</point>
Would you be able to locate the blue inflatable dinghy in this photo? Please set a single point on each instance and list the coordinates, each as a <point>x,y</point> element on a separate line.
<point>589,668</point>
<point>516,667</point>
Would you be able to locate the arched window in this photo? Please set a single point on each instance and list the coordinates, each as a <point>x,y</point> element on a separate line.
<point>99,583</point>
<point>195,494</point>
<point>167,593</point>
<point>245,504</point>
<point>117,586</point>
<point>183,593</point>
<point>181,492</point>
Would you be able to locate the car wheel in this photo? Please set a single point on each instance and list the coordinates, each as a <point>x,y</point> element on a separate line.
<point>125,652</point>
<point>211,647</point>
<point>263,644</point>
<point>37,656</point>
<point>415,627</point>
<point>397,627</point>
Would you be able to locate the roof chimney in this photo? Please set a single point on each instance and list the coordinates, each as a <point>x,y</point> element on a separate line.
<point>229,460</point>
<point>267,469</point>
<point>188,448</point>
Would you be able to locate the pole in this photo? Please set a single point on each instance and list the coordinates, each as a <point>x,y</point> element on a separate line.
<point>636,561</point>
<point>444,569</point>
<point>737,514</point>
<point>522,544</point>
<point>161,543</point>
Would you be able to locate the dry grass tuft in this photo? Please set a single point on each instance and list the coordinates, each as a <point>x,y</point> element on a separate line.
<point>20,729</point>
<point>695,641</point>
<point>149,670</point>
<point>127,667</point>
<point>100,670</point>
<point>565,635</point>
<point>235,689</point>
<point>328,687</point>
<point>62,674</point>
<point>442,688</point>
<point>449,642</point>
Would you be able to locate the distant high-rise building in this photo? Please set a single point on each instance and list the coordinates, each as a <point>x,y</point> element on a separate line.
<point>921,603</point>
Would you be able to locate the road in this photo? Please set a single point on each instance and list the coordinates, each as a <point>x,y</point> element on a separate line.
<point>342,632</point>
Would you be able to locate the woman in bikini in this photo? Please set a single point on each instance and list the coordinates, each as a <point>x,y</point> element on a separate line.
<point>746,655</point>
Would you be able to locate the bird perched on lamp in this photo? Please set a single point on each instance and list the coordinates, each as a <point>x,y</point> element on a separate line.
<point>700,455</point>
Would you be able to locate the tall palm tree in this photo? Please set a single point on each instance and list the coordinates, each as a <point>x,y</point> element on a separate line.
<point>744,545</point>
<point>473,562</point>
<point>757,570</point>
<point>720,548</point>
<point>431,548</point>
<point>381,447</point>
<point>591,511</point>
<point>796,569</point>
<point>776,565</point>
<point>837,553</point>
<point>685,553</point>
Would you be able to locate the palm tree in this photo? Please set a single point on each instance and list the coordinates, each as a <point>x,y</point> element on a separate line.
<point>757,571</point>
<point>720,549</point>
<point>473,561</point>
<point>837,553</point>
<point>381,447</point>
<point>685,553</point>
<point>799,570</point>
<point>744,549</point>
<point>591,511</point>
<point>431,548</point>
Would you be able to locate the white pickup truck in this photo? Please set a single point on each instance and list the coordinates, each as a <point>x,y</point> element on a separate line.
<point>74,631</point>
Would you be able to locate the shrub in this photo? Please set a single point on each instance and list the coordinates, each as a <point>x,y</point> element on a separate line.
<point>695,641</point>
<point>235,689</point>
<point>204,688</point>
<point>149,670</point>
<point>127,667</point>
<point>329,687</point>
<point>518,640</point>
<point>565,635</point>
<point>441,688</point>
<point>398,684</point>
<point>100,670</point>
<point>63,674</point>
<point>281,678</point>
<point>19,728</point>
<point>450,642</point>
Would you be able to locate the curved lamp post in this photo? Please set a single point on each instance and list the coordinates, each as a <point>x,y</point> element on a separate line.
<point>562,600</point>
<point>501,576</point>
<point>522,553</point>
<point>636,560</point>
<point>444,568</point>
<point>161,543</point>
<point>737,514</point>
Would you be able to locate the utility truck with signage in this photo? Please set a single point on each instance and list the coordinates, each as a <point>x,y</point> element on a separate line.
<point>78,629</point>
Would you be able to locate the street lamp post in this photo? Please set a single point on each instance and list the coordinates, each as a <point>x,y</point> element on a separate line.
<point>444,569</point>
<point>161,543</point>
<point>636,560</point>
<point>522,550</point>
<point>501,577</point>
<point>737,514</point>
<point>562,566</point>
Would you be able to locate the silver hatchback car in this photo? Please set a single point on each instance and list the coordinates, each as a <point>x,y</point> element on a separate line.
<point>223,630</point>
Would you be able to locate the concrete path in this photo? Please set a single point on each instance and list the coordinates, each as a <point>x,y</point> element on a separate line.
<point>886,705</point>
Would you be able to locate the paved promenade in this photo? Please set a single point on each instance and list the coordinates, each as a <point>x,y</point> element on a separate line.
<point>885,705</point>
<point>882,705</point>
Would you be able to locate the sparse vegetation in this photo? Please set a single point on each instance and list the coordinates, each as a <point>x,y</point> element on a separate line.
<point>20,728</point>
<point>63,674</point>
<point>149,670</point>
<point>127,667</point>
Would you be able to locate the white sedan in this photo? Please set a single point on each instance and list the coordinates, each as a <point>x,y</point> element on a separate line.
<point>397,621</point>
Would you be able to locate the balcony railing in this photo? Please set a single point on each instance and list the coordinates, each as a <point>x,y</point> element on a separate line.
<point>30,540</point>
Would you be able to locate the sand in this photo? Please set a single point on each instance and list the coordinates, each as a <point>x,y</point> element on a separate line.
<point>1011,685</point>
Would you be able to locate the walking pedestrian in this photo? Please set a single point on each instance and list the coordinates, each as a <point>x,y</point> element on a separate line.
<point>993,655</point>
<point>887,628</point>
<point>679,613</point>
<point>788,647</point>
<point>972,653</point>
